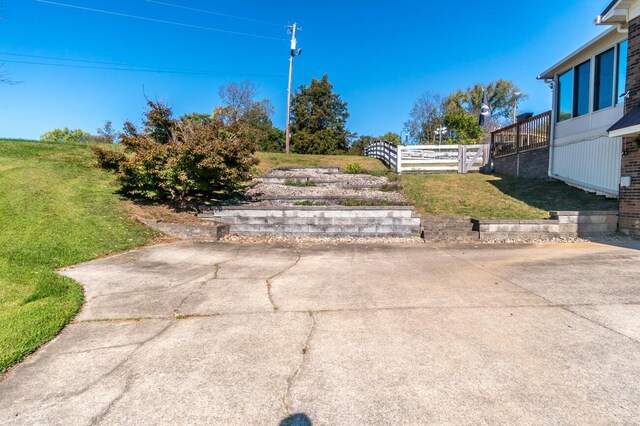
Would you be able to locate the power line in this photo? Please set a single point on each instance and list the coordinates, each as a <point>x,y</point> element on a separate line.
<point>161,21</point>
<point>156,71</point>
<point>193,9</point>
<point>89,61</point>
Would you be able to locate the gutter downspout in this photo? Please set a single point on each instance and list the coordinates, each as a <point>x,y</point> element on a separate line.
<point>552,123</point>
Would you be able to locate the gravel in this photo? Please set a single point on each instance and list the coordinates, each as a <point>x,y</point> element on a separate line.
<point>264,191</point>
<point>285,239</point>
<point>348,179</point>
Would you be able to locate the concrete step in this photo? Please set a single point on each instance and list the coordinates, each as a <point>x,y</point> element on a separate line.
<point>261,220</point>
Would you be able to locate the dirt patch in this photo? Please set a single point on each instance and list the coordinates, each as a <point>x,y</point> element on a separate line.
<point>162,212</point>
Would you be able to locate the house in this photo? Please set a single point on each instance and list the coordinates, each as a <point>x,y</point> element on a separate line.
<point>595,126</point>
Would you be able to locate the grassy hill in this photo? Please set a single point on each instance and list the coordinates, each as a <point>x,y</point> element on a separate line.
<point>270,160</point>
<point>56,210</point>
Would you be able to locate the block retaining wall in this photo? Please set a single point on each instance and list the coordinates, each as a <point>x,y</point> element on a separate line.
<point>319,221</point>
<point>189,231</point>
<point>561,224</point>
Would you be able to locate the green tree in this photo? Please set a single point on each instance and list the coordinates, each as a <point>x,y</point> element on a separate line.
<point>392,137</point>
<point>502,95</point>
<point>252,117</point>
<point>318,119</point>
<point>68,135</point>
<point>196,117</point>
<point>463,127</point>
<point>358,145</point>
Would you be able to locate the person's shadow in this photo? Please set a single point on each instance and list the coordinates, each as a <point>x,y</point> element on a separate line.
<point>299,419</point>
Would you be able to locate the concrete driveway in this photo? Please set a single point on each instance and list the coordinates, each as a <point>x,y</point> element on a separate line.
<point>195,333</point>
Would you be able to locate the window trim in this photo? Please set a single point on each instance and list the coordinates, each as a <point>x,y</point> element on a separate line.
<point>616,93</point>
<point>593,82</point>
<point>559,92</point>
<point>576,83</point>
<point>596,79</point>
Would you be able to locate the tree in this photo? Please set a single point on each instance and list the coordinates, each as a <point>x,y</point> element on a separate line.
<point>67,135</point>
<point>358,145</point>
<point>392,137</point>
<point>463,127</point>
<point>501,94</point>
<point>238,101</point>
<point>106,134</point>
<point>252,117</point>
<point>318,119</point>
<point>425,117</point>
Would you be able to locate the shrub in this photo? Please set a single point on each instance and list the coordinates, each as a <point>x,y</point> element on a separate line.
<point>354,168</point>
<point>108,159</point>
<point>300,184</point>
<point>306,203</point>
<point>176,159</point>
<point>67,135</point>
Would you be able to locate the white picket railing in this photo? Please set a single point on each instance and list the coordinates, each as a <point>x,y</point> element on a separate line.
<point>385,151</point>
<point>430,158</point>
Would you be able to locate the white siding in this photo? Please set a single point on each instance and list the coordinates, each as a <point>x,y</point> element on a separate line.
<point>591,164</point>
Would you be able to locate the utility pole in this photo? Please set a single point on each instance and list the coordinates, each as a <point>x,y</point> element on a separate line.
<point>294,52</point>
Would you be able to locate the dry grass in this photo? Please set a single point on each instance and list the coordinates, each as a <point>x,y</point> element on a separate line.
<point>271,160</point>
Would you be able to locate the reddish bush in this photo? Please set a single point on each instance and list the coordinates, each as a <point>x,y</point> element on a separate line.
<point>178,158</point>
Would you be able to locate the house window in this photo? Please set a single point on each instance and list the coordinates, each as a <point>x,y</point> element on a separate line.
<point>582,82</point>
<point>621,81</point>
<point>565,95</point>
<point>603,94</point>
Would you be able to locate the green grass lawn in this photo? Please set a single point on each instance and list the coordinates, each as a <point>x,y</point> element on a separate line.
<point>56,210</point>
<point>270,160</point>
<point>492,197</point>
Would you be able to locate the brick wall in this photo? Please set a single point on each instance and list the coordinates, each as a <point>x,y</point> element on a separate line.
<point>630,197</point>
<point>533,164</point>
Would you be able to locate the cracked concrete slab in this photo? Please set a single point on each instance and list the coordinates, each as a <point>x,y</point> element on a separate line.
<point>588,273</point>
<point>624,319</point>
<point>75,375</point>
<point>351,278</point>
<point>228,295</point>
<point>347,334</point>
<point>479,365</point>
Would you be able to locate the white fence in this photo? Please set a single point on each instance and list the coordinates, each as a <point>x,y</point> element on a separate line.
<point>429,158</point>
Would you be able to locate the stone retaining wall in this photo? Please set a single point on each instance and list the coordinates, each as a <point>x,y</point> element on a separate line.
<point>319,221</point>
<point>561,224</point>
<point>204,231</point>
<point>544,229</point>
<point>586,223</point>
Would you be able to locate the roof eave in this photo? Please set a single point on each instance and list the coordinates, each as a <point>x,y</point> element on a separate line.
<point>625,132</point>
<point>552,71</point>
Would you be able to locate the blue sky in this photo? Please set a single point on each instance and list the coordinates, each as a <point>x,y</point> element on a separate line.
<point>380,55</point>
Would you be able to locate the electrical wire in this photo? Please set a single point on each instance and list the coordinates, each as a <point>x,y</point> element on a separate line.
<point>156,71</point>
<point>161,21</point>
<point>89,61</point>
<point>193,9</point>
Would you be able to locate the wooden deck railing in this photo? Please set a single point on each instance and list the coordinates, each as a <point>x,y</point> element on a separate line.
<point>529,134</point>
